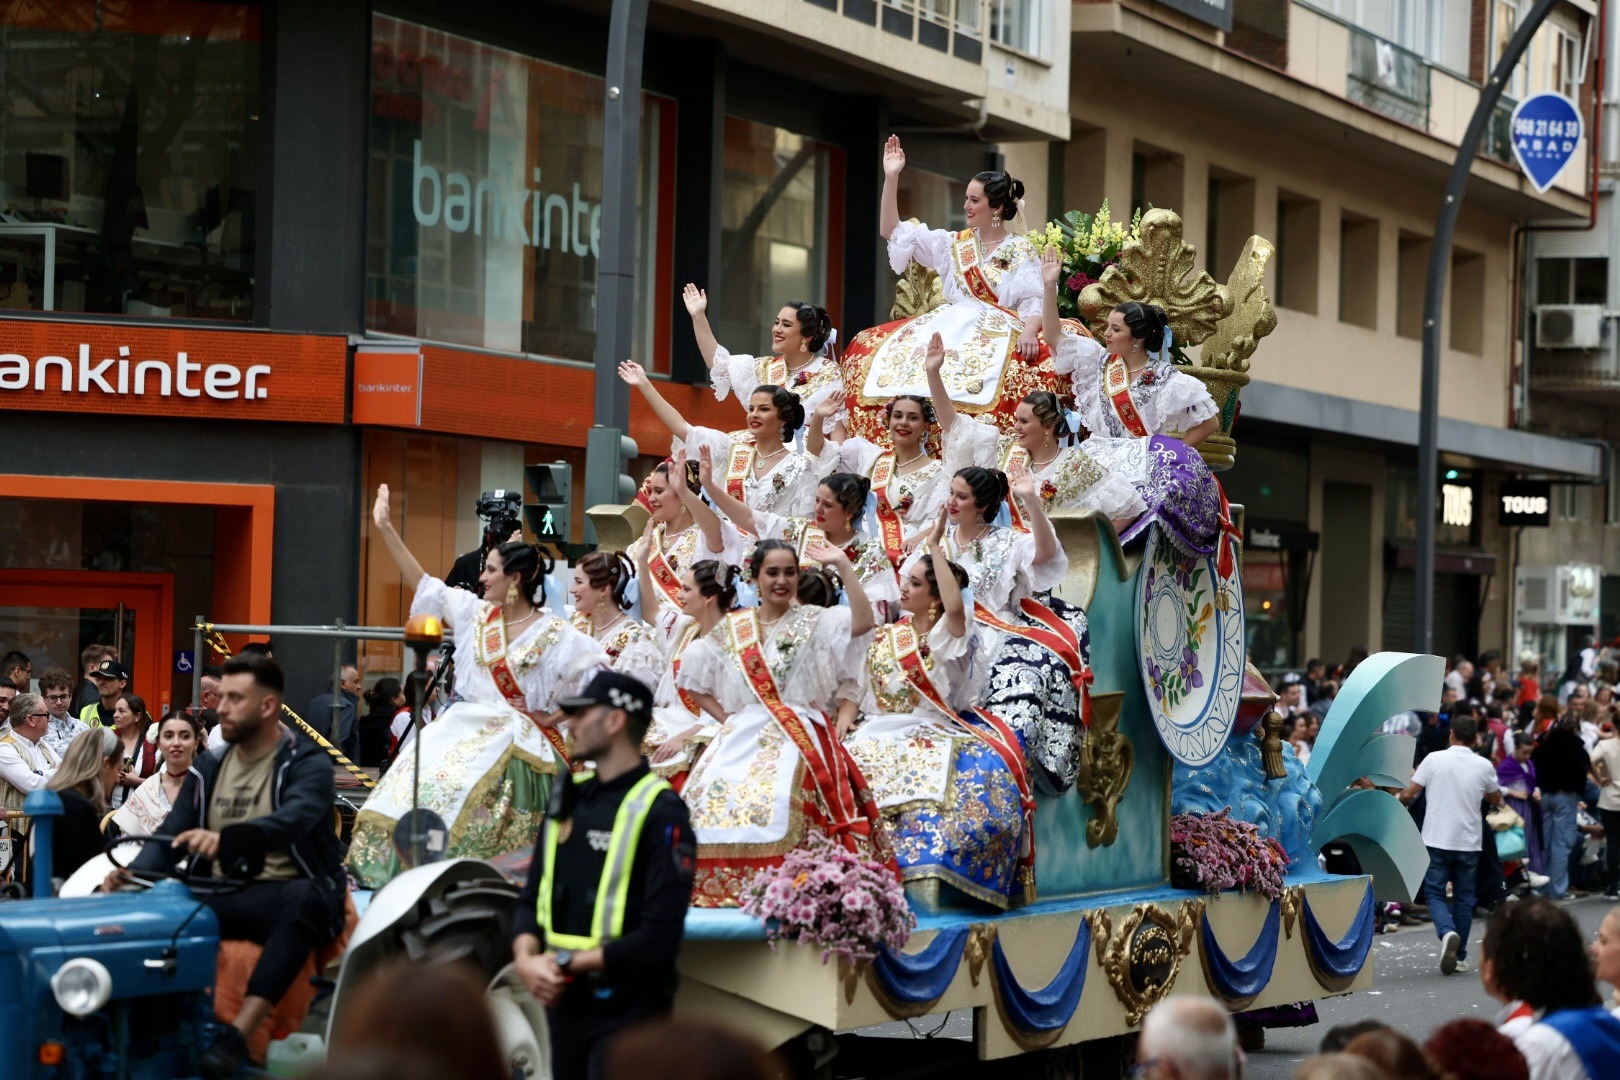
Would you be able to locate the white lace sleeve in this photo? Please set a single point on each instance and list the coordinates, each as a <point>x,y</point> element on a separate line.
<point>718,443</point>
<point>1032,579</point>
<point>929,247</point>
<point>769,526</point>
<point>1078,356</point>
<point>882,589</point>
<point>1022,288</point>
<point>733,545</point>
<point>702,668</point>
<point>953,660</point>
<point>1182,404</point>
<point>800,498</point>
<point>970,442</point>
<point>642,659</point>
<point>458,607</point>
<point>926,503</point>
<point>733,373</point>
<point>1114,495</point>
<point>857,455</point>
<point>825,660</point>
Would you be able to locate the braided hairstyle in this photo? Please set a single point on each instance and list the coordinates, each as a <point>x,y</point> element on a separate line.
<point>819,587</point>
<point>1146,322</point>
<point>609,570</point>
<point>787,406</point>
<point>989,487</point>
<point>1048,412</point>
<point>850,492</point>
<point>717,579</point>
<point>814,323</point>
<point>1001,191</point>
<point>530,565</point>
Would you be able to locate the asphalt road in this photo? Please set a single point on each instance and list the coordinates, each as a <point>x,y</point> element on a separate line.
<point>1409,993</point>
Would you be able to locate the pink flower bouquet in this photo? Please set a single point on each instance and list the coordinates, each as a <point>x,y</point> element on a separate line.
<point>824,895</point>
<point>1212,853</point>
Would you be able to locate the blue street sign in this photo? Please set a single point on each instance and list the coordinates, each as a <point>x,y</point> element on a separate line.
<point>183,661</point>
<point>1546,129</point>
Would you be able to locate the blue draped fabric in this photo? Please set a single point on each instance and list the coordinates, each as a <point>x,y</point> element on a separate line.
<point>1037,1012</point>
<point>1593,1034</point>
<point>1340,961</point>
<point>921,978</point>
<point>1240,981</point>
<point>970,842</point>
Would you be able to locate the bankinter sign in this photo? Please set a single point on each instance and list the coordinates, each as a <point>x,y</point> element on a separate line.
<point>245,375</point>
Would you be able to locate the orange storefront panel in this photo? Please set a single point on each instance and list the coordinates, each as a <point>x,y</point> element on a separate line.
<point>146,371</point>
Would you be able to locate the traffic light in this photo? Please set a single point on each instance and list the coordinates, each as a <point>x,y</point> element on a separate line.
<point>608,454</point>
<point>553,489</point>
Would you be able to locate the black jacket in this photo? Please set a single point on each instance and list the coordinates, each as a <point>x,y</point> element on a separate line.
<point>1561,762</point>
<point>302,795</point>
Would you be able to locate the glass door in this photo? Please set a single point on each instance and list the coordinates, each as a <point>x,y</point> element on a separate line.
<point>51,615</point>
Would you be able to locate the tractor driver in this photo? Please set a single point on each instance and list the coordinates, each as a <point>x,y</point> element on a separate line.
<point>266,778</point>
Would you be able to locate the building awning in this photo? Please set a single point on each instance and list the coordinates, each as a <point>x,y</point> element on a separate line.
<point>1446,560</point>
<point>1520,452</point>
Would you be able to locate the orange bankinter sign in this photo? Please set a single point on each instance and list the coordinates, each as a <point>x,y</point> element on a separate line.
<point>142,370</point>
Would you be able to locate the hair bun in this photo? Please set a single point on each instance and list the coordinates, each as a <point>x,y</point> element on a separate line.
<point>1017,187</point>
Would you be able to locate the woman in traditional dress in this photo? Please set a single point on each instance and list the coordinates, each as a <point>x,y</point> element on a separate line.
<point>600,591</point>
<point>1004,565</point>
<point>1146,418</point>
<point>801,359</point>
<point>1066,477</point>
<point>487,760</point>
<point>775,773</point>
<point>908,483</point>
<point>760,466</point>
<point>991,320</point>
<point>680,727</point>
<point>952,784</point>
<point>681,530</point>
<point>179,738</point>
<point>840,501</point>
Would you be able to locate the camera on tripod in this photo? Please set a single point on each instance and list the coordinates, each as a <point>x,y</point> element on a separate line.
<point>501,511</point>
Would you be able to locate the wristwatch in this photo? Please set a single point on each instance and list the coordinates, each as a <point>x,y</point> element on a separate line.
<point>563,958</point>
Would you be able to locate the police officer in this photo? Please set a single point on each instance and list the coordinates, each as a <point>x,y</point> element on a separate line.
<point>599,923</point>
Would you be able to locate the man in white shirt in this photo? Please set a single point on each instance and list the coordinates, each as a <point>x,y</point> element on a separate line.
<point>1461,672</point>
<point>25,761</point>
<point>1455,779</point>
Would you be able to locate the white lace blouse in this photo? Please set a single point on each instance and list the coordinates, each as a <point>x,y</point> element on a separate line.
<point>788,489</point>
<point>738,374</point>
<point>1072,479</point>
<point>549,657</point>
<point>916,496</point>
<point>1018,286</point>
<point>885,690</point>
<point>1169,401</point>
<point>809,652</point>
<point>1000,566</point>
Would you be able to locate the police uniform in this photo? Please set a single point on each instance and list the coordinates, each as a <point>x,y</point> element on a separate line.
<point>613,868</point>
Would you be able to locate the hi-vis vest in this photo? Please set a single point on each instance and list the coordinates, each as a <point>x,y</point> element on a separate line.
<point>612,893</point>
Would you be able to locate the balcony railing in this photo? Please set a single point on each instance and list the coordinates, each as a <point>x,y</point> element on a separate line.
<point>1388,79</point>
<point>1498,144</point>
<point>948,26</point>
<point>1572,369</point>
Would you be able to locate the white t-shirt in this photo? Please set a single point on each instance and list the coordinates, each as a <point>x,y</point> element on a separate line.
<point>1455,780</point>
<point>1608,752</point>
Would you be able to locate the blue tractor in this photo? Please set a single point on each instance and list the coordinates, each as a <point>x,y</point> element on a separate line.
<point>114,986</point>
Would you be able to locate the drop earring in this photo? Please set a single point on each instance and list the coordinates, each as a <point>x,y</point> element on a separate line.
<point>511,592</point>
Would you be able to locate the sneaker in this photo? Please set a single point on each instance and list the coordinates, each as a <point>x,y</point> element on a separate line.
<point>1462,968</point>
<point>1538,881</point>
<point>226,1057</point>
<point>1448,952</point>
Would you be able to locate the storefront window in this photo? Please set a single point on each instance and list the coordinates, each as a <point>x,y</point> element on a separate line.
<point>774,231</point>
<point>1456,507</point>
<point>484,218</point>
<point>128,157</point>
<point>1265,604</point>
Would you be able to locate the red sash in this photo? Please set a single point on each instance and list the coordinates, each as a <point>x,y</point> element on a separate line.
<point>772,370</point>
<point>966,252</point>
<point>663,574</point>
<point>1230,537</point>
<point>687,701</point>
<point>1016,455</point>
<point>738,466</point>
<point>1054,634</point>
<point>1000,738</point>
<point>1117,389</point>
<point>890,530</point>
<point>831,769</point>
<point>492,650</point>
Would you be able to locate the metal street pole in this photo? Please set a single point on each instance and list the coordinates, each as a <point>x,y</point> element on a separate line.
<point>616,268</point>
<point>1445,229</point>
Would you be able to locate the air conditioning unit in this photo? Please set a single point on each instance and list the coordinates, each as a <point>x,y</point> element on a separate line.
<point>1569,326</point>
<point>1536,592</point>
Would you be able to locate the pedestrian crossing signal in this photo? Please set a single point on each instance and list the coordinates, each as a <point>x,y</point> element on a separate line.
<point>548,515</point>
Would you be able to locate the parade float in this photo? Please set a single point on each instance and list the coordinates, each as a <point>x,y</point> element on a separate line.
<point>1183,858</point>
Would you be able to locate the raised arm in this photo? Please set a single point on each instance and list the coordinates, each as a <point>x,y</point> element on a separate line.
<point>634,374</point>
<point>697,306</point>
<point>815,439</point>
<point>1040,526</point>
<point>861,619</point>
<point>950,593</point>
<point>934,365</point>
<point>408,566</point>
<point>737,512</point>
<point>1051,324</point>
<point>708,522</point>
<point>894,163</point>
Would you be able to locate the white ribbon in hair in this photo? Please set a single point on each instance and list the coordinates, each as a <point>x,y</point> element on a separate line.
<point>832,339</point>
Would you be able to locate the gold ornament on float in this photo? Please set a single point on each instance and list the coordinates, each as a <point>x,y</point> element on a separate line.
<point>1106,761</point>
<point>1143,959</point>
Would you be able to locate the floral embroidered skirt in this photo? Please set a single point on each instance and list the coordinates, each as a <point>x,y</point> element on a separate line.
<point>1179,490</point>
<point>952,807</point>
<point>486,770</point>
<point>751,801</point>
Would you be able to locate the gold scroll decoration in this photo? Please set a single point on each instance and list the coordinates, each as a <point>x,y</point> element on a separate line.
<point>1144,957</point>
<point>1106,760</point>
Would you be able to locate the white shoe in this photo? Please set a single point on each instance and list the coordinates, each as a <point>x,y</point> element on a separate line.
<point>1448,952</point>
<point>1462,968</point>
<point>1537,880</point>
